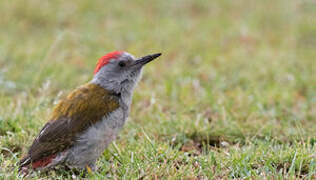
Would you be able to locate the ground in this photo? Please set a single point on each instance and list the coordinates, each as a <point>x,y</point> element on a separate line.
<point>232,96</point>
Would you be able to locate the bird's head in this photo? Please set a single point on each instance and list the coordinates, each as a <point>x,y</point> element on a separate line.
<point>119,69</point>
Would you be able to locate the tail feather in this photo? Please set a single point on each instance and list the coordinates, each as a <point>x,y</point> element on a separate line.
<point>27,164</point>
<point>25,161</point>
<point>23,170</point>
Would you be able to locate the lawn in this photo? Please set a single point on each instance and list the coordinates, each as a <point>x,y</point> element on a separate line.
<point>232,96</point>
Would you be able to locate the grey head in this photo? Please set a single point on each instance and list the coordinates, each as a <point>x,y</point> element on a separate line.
<point>120,71</point>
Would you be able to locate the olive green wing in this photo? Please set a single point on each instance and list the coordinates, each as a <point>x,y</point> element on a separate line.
<point>77,112</point>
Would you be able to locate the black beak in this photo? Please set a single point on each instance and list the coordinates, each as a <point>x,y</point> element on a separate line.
<point>146,59</point>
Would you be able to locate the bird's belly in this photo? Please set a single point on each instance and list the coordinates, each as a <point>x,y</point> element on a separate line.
<point>93,141</point>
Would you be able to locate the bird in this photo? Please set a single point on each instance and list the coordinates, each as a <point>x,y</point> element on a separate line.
<point>89,118</point>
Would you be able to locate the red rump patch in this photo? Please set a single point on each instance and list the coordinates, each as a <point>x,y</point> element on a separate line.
<point>43,162</point>
<point>105,59</point>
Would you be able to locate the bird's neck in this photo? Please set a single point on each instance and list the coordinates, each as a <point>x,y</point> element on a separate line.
<point>125,89</point>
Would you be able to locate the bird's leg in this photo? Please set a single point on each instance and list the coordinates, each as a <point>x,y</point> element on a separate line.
<point>91,167</point>
<point>89,170</point>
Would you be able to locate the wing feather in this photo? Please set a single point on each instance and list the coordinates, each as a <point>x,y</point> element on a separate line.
<point>82,108</point>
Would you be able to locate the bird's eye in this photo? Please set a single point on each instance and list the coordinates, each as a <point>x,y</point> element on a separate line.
<point>122,64</point>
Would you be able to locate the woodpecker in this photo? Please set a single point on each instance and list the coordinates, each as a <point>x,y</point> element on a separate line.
<point>83,124</point>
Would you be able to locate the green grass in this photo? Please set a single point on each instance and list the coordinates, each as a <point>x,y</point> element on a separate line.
<point>233,96</point>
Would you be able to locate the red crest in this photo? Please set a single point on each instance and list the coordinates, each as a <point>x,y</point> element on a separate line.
<point>105,59</point>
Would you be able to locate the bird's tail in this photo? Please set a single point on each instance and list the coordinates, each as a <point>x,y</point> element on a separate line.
<point>23,165</point>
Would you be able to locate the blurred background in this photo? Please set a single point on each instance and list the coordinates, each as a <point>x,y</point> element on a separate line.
<point>236,77</point>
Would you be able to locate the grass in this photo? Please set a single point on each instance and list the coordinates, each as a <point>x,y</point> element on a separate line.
<point>233,96</point>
